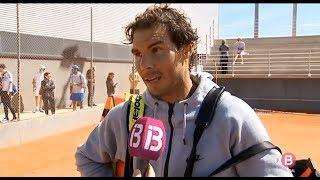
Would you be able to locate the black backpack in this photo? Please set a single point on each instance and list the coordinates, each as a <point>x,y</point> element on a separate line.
<point>302,168</point>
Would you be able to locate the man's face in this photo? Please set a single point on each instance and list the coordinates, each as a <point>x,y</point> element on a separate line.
<point>157,60</point>
<point>1,70</point>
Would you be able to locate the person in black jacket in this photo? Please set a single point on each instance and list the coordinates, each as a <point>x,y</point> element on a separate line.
<point>47,92</point>
<point>224,49</point>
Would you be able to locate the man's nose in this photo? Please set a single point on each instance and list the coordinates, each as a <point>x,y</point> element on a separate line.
<point>146,62</point>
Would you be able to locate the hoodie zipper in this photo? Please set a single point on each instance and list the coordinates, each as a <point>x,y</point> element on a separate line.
<point>166,165</point>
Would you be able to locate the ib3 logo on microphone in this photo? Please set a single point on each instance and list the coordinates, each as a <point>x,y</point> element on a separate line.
<point>147,138</point>
<point>154,135</point>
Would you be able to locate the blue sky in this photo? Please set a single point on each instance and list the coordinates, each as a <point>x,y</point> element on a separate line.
<point>237,20</point>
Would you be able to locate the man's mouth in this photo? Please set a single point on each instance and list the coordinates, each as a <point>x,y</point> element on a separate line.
<point>153,79</point>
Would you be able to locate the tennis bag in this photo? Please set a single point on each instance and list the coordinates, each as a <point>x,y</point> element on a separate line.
<point>301,168</point>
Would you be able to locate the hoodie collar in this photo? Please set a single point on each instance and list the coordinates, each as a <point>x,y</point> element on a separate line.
<point>205,84</point>
<point>183,108</point>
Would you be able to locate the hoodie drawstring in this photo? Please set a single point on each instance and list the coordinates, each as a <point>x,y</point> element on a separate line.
<point>185,105</point>
<point>184,123</point>
<point>155,110</point>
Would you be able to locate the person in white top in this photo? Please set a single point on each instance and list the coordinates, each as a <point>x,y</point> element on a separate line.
<point>240,47</point>
<point>6,92</point>
<point>77,87</point>
<point>36,83</point>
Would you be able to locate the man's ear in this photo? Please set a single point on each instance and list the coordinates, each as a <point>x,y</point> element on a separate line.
<point>186,51</point>
<point>189,49</point>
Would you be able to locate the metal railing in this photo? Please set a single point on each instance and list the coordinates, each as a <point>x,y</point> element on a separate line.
<point>295,62</point>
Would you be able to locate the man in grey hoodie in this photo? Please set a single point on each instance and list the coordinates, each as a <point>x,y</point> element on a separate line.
<point>164,46</point>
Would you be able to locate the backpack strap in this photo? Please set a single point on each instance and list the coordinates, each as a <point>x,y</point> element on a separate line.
<point>204,119</point>
<point>246,154</point>
<point>135,110</point>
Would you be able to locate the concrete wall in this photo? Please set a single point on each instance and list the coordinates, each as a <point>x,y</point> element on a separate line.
<point>296,95</point>
<point>17,133</point>
<point>61,78</point>
<point>58,54</point>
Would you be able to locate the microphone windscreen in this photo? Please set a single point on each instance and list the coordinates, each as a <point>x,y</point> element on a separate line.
<point>147,138</point>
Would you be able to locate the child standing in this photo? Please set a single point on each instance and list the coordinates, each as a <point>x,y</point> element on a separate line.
<point>47,92</point>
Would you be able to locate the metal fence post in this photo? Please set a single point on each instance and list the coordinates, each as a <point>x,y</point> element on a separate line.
<point>309,70</point>
<point>18,59</point>
<point>269,72</point>
<point>216,70</point>
<point>91,64</point>
<point>210,40</point>
<point>206,46</point>
<point>233,64</point>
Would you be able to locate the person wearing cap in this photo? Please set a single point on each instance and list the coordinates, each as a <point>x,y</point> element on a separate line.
<point>36,84</point>
<point>77,87</point>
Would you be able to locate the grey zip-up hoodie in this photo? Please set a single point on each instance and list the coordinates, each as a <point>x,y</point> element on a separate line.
<point>234,128</point>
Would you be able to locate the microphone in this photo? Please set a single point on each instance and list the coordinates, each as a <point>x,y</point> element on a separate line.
<point>147,138</point>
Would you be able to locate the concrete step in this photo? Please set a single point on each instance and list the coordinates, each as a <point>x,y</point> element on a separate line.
<point>278,40</point>
<point>24,131</point>
<point>276,44</point>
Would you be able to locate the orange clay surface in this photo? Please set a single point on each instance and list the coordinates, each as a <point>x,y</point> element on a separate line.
<point>54,156</point>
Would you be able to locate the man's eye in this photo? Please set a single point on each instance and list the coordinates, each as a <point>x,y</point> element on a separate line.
<point>137,55</point>
<point>155,50</point>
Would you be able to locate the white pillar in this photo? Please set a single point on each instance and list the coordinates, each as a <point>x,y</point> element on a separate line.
<point>294,20</point>
<point>256,21</point>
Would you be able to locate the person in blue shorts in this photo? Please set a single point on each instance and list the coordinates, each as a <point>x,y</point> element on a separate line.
<point>77,87</point>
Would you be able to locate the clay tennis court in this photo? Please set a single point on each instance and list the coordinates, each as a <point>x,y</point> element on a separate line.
<point>54,156</point>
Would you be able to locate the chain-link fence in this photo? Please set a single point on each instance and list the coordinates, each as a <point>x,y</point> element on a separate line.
<point>43,45</point>
<point>9,67</point>
<point>40,43</point>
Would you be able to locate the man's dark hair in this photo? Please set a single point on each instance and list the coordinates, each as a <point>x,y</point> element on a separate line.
<point>176,23</point>
<point>2,66</point>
